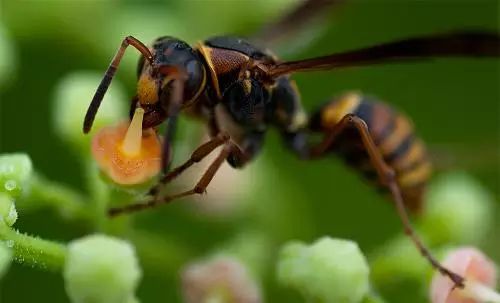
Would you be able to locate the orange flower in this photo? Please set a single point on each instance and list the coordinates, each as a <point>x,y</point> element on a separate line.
<point>126,153</point>
<point>479,273</point>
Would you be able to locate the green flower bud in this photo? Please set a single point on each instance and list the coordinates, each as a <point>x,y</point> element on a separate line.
<point>101,269</point>
<point>15,173</point>
<point>72,98</point>
<point>458,209</point>
<point>5,258</point>
<point>8,212</point>
<point>329,270</point>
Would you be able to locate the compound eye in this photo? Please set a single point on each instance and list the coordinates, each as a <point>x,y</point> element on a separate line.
<point>196,75</point>
<point>246,100</point>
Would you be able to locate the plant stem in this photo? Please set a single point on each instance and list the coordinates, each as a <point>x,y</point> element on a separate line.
<point>33,251</point>
<point>99,195</point>
<point>118,225</point>
<point>102,195</point>
<point>69,203</point>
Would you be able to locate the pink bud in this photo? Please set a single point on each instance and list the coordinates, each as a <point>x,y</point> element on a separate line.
<point>223,278</point>
<point>480,276</point>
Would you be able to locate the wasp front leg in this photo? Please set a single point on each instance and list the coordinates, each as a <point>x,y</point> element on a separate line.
<point>154,195</point>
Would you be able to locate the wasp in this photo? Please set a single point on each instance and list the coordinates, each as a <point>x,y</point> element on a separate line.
<point>240,90</point>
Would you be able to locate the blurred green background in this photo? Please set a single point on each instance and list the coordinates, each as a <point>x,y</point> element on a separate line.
<point>454,104</point>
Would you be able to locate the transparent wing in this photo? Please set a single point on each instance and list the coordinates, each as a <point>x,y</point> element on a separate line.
<point>296,27</point>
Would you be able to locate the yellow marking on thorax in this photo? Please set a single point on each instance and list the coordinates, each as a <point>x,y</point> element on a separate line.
<point>418,175</point>
<point>338,110</point>
<point>147,89</point>
<point>402,129</point>
<point>205,52</point>
<point>222,61</point>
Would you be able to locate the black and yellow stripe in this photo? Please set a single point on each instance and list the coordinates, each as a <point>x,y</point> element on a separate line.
<point>394,136</point>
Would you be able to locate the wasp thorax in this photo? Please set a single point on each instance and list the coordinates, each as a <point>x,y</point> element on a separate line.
<point>246,101</point>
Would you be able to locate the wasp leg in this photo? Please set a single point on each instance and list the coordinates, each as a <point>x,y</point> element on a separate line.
<point>387,177</point>
<point>173,110</point>
<point>199,154</point>
<point>200,187</point>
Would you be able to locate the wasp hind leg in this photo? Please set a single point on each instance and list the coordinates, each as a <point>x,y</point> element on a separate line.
<point>388,177</point>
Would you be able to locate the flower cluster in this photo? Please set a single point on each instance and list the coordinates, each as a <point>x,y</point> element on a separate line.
<point>261,234</point>
<point>100,268</point>
<point>104,268</point>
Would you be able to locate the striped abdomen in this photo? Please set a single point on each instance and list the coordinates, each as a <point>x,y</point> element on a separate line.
<point>393,135</point>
